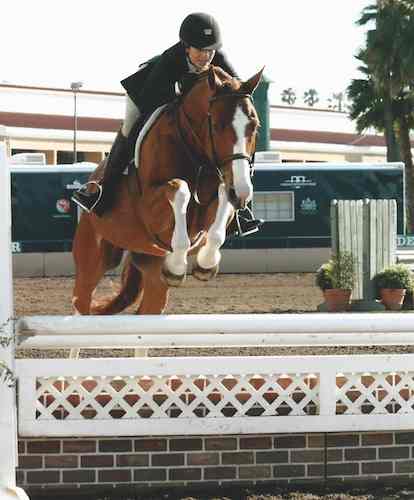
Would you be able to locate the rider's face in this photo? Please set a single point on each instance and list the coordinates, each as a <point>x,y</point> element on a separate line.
<point>201,58</point>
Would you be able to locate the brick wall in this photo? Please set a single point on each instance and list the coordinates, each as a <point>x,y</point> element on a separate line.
<point>99,464</point>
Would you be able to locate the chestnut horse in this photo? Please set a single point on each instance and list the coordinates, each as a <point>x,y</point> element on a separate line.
<point>195,166</point>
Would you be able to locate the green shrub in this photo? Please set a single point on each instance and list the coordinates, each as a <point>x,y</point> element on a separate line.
<point>396,276</point>
<point>338,272</point>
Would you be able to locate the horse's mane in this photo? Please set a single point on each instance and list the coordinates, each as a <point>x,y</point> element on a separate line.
<point>227,82</point>
<point>227,85</point>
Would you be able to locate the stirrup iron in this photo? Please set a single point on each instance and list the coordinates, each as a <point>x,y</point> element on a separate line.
<point>239,229</point>
<point>84,187</point>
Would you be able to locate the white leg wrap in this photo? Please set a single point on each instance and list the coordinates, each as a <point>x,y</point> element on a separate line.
<point>209,255</point>
<point>176,262</point>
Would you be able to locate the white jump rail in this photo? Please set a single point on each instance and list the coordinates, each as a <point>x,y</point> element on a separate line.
<point>199,330</point>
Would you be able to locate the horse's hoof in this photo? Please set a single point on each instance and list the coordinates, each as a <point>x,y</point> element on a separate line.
<point>205,274</point>
<point>172,279</point>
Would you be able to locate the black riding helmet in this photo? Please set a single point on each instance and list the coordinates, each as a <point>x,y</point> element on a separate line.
<point>201,31</point>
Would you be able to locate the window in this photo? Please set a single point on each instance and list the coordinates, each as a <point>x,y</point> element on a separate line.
<point>20,151</point>
<point>274,206</point>
<point>66,157</point>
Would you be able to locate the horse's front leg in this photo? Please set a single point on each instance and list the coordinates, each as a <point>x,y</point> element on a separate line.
<point>175,264</point>
<point>208,257</point>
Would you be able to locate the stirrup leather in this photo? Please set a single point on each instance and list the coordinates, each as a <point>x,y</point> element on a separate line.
<point>85,187</point>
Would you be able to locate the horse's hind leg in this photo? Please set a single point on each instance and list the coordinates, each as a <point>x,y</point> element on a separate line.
<point>155,290</point>
<point>90,263</point>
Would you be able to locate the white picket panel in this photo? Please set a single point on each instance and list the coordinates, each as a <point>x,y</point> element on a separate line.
<point>367,229</point>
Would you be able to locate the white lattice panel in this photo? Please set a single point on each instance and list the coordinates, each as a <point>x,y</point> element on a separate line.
<point>375,393</point>
<point>158,396</point>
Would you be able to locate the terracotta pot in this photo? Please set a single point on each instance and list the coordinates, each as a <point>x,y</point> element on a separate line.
<point>337,299</point>
<point>392,298</point>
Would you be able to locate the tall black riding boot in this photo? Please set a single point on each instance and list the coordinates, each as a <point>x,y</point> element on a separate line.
<point>102,200</point>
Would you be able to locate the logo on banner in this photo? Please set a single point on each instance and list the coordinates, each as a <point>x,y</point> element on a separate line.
<point>63,206</point>
<point>298,181</point>
<point>308,207</point>
<point>75,185</point>
<point>16,247</point>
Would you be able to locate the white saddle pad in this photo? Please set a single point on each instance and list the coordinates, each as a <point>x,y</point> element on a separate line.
<point>144,131</point>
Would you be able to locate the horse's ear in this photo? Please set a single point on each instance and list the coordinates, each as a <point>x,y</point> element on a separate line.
<point>253,82</point>
<point>213,80</point>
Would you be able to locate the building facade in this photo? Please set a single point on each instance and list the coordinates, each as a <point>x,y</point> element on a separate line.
<point>40,119</point>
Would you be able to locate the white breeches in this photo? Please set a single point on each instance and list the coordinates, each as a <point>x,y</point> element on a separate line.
<point>132,114</point>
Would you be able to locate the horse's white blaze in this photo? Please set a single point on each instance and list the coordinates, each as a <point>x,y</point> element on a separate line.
<point>209,255</point>
<point>176,261</point>
<point>241,171</point>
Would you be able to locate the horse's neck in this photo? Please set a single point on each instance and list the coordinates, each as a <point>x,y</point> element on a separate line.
<point>195,119</point>
<point>196,111</point>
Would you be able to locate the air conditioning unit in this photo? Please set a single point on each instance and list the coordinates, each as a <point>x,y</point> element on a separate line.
<point>268,157</point>
<point>28,159</point>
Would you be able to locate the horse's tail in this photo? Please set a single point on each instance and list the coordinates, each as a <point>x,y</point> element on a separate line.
<point>131,286</point>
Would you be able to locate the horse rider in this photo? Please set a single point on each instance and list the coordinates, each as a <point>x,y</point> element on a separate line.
<point>152,86</point>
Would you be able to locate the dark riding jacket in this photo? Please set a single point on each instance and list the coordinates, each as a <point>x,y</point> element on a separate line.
<point>154,84</point>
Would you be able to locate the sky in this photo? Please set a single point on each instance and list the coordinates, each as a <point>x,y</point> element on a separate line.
<point>302,43</point>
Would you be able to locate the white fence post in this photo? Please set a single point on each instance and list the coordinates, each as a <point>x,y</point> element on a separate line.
<point>8,421</point>
<point>367,229</point>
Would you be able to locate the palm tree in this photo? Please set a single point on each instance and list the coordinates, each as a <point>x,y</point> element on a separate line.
<point>389,59</point>
<point>367,109</point>
<point>310,97</point>
<point>288,96</point>
<point>380,56</point>
<point>366,104</point>
<point>403,107</point>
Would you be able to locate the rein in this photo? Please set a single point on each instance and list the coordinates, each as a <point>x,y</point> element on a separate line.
<point>200,158</point>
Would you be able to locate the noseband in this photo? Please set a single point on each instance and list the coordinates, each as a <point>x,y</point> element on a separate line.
<point>200,158</point>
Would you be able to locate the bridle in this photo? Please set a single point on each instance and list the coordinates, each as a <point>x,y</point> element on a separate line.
<point>237,156</point>
<point>199,158</point>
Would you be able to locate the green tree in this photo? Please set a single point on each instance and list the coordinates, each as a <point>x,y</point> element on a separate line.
<point>389,56</point>
<point>366,102</point>
<point>310,97</point>
<point>384,99</point>
<point>288,96</point>
<point>336,101</point>
<point>367,109</point>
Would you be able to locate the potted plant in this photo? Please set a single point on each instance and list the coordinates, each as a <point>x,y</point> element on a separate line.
<point>392,284</point>
<point>336,279</point>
